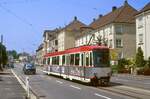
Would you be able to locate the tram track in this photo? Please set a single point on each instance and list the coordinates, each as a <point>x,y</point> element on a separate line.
<point>136,94</point>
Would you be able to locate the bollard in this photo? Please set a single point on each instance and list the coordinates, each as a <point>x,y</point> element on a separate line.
<point>27,88</point>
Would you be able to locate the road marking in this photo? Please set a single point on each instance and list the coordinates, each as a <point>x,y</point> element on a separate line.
<point>21,82</point>
<point>133,88</point>
<point>75,87</point>
<point>96,94</point>
<point>59,81</point>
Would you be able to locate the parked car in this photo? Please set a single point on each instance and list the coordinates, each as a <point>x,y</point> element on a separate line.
<point>29,68</point>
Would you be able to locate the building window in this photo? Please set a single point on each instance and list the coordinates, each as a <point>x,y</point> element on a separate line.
<point>110,43</point>
<point>118,29</point>
<point>118,43</point>
<point>56,42</point>
<point>140,39</point>
<point>140,22</point>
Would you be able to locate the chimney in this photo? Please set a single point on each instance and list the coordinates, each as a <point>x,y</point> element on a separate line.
<point>114,8</point>
<point>126,2</point>
<point>100,15</point>
<point>94,19</point>
<point>75,18</point>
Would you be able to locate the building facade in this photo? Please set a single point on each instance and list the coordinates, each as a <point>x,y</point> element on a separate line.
<point>66,37</point>
<point>143,30</point>
<point>116,29</point>
<point>39,55</point>
<point>50,40</point>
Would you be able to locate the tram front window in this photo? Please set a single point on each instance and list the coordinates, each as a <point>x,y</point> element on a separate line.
<point>101,58</point>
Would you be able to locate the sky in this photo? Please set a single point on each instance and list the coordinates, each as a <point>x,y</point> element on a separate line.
<point>22,22</point>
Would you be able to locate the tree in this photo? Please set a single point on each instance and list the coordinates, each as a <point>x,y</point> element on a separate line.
<point>13,53</point>
<point>101,41</point>
<point>149,62</point>
<point>121,63</point>
<point>3,56</point>
<point>139,61</point>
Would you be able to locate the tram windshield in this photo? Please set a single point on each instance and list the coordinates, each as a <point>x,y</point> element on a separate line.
<point>101,58</point>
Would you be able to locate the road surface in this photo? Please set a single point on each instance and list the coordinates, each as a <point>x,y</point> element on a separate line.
<point>49,87</point>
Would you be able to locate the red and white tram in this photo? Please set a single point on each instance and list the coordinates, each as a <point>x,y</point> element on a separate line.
<point>81,63</point>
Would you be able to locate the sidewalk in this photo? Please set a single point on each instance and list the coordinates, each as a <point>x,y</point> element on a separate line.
<point>141,77</point>
<point>10,87</point>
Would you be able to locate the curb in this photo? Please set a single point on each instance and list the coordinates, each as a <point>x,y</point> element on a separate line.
<point>32,93</point>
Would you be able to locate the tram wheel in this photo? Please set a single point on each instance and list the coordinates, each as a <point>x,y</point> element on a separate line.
<point>94,82</point>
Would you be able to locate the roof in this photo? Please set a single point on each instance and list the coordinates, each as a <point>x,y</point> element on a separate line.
<point>77,49</point>
<point>145,8</point>
<point>40,47</point>
<point>51,31</point>
<point>123,14</point>
<point>75,25</point>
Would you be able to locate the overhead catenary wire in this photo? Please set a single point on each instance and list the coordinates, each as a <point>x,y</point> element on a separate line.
<point>17,1</point>
<point>22,19</point>
<point>15,15</point>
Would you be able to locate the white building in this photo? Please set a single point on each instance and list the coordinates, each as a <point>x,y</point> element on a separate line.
<point>118,30</point>
<point>143,30</point>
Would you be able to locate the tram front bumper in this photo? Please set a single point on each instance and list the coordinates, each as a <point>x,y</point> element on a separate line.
<point>104,80</point>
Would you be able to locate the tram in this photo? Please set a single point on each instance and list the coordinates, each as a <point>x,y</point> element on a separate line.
<point>81,63</point>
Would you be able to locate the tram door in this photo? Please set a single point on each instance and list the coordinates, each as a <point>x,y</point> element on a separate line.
<point>82,63</point>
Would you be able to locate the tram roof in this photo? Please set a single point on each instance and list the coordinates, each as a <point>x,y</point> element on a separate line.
<point>76,50</point>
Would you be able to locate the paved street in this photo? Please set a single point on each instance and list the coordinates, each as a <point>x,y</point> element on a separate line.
<point>131,80</point>
<point>10,87</point>
<point>49,87</point>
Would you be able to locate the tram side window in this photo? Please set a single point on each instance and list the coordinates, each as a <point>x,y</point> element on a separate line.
<point>87,59</point>
<point>63,59</point>
<point>82,59</point>
<point>67,59</point>
<point>44,61</point>
<point>72,59</point>
<point>77,59</point>
<point>90,59</point>
<point>57,60</point>
<point>48,61</point>
<point>54,60</point>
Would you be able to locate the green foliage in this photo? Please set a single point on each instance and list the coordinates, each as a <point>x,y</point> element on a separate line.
<point>3,56</point>
<point>148,62</point>
<point>139,61</point>
<point>101,41</point>
<point>123,66</point>
<point>122,63</point>
<point>114,68</point>
<point>13,53</point>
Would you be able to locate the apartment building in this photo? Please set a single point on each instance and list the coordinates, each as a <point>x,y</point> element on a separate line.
<point>118,30</point>
<point>39,55</point>
<point>143,30</point>
<point>51,40</point>
<point>66,37</point>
